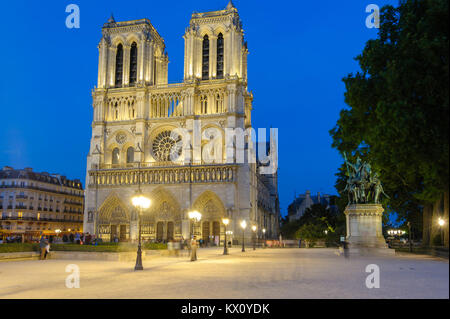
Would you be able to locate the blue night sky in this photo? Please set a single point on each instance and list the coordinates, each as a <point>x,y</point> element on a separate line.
<point>299,52</point>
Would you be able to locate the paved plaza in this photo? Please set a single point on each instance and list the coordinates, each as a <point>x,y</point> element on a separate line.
<point>264,273</point>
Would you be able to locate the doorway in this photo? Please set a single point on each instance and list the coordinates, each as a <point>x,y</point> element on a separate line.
<point>170,231</point>
<point>216,231</point>
<point>113,233</point>
<point>205,231</point>
<point>159,231</point>
<point>123,233</point>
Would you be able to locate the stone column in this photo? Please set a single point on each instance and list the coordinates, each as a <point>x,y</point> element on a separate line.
<point>227,53</point>
<point>111,66</point>
<point>212,56</point>
<point>198,56</point>
<point>141,61</point>
<point>185,230</point>
<point>126,65</point>
<point>231,97</point>
<point>101,74</point>
<point>149,77</point>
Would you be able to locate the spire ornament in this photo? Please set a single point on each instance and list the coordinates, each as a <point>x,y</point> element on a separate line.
<point>111,19</point>
<point>230,5</point>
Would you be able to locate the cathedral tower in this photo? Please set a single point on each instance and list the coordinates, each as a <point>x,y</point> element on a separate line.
<point>133,144</point>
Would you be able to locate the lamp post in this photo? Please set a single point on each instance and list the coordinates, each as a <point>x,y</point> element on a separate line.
<point>264,237</point>
<point>243,225</point>
<point>409,237</point>
<point>254,237</point>
<point>225,221</point>
<point>441,223</point>
<point>230,233</point>
<point>195,217</point>
<point>140,202</point>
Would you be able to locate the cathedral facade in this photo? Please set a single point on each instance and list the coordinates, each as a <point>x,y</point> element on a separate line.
<point>133,145</point>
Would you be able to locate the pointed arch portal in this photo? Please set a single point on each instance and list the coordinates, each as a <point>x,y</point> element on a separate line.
<point>212,209</point>
<point>113,220</point>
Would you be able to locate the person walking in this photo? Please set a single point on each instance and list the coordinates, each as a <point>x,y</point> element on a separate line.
<point>47,250</point>
<point>345,246</point>
<point>194,249</point>
<point>43,247</point>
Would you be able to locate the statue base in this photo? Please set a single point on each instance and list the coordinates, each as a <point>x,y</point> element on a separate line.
<point>364,231</point>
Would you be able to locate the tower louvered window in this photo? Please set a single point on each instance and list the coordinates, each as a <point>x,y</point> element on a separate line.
<point>119,65</point>
<point>205,58</point>
<point>220,56</point>
<point>133,63</point>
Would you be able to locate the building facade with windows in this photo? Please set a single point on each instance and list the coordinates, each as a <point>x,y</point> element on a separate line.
<point>31,203</point>
<point>133,144</point>
<point>304,201</point>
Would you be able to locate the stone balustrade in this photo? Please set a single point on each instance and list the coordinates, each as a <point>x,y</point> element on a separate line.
<point>164,175</point>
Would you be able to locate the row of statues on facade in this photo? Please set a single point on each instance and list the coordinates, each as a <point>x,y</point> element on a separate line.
<point>363,185</point>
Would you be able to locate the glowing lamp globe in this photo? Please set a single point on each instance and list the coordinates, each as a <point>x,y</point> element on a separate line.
<point>140,201</point>
<point>195,215</point>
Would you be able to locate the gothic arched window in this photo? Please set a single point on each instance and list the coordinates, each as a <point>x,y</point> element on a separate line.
<point>220,56</point>
<point>115,156</point>
<point>204,104</point>
<point>116,111</point>
<point>119,65</point>
<point>219,103</point>
<point>130,155</point>
<point>133,63</point>
<point>205,58</point>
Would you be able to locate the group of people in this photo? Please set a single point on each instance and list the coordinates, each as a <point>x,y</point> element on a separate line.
<point>80,238</point>
<point>177,245</point>
<point>12,239</point>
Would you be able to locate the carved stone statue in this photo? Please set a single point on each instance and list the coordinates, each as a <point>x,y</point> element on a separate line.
<point>363,185</point>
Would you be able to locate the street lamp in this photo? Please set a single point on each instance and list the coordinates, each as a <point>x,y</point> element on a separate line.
<point>140,202</point>
<point>243,225</point>
<point>441,223</point>
<point>195,216</point>
<point>409,237</point>
<point>254,237</point>
<point>264,237</point>
<point>225,221</point>
<point>230,233</point>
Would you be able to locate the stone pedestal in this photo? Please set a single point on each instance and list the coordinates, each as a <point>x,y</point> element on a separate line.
<point>364,231</point>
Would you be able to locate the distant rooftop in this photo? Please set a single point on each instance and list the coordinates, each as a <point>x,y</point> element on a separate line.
<point>113,26</point>
<point>8,172</point>
<point>230,8</point>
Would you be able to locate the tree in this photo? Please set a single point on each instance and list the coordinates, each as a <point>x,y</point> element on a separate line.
<point>319,222</point>
<point>319,213</point>
<point>288,228</point>
<point>310,233</point>
<point>399,105</point>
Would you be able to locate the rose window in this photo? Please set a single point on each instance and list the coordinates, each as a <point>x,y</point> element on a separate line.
<point>167,146</point>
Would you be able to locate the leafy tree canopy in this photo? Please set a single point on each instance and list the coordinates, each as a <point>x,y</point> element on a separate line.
<point>398,118</point>
<point>315,217</point>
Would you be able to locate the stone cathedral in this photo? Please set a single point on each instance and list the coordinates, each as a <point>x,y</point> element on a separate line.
<point>135,111</point>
